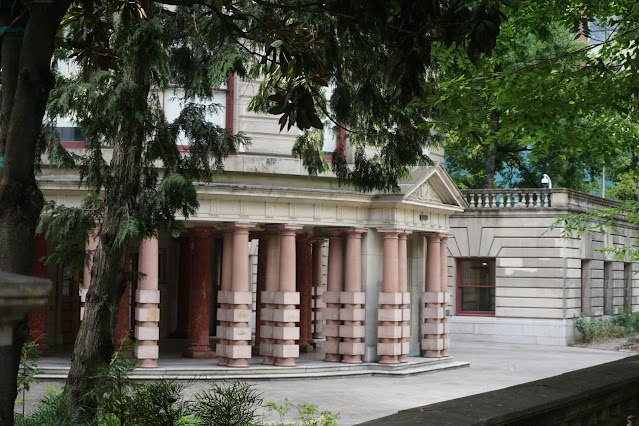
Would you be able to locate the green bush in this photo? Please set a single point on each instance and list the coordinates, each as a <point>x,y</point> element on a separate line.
<point>52,410</point>
<point>228,404</point>
<point>594,329</point>
<point>307,414</point>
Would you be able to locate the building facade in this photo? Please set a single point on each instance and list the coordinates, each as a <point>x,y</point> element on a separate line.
<point>276,261</point>
<point>513,280</point>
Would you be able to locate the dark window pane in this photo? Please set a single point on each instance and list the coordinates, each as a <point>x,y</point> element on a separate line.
<point>70,134</point>
<point>477,285</point>
<point>477,273</point>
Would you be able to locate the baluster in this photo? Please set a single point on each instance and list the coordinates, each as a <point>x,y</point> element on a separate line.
<point>491,199</point>
<point>518,203</point>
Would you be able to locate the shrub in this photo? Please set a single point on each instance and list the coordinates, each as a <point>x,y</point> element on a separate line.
<point>52,410</point>
<point>228,404</point>
<point>307,414</point>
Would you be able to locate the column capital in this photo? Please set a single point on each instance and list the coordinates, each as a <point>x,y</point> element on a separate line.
<point>433,237</point>
<point>389,232</point>
<point>201,233</point>
<point>355,232</point>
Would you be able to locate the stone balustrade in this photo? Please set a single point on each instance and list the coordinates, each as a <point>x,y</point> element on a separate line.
<point>534,198</point>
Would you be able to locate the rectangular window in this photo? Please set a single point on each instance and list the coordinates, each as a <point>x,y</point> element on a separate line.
<point>476,287</point>
<point>174,102</point>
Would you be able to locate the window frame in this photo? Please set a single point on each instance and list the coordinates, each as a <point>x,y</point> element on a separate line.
<point>459,286</point>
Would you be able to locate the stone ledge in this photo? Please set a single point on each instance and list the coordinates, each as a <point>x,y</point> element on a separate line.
<point>563,399</point>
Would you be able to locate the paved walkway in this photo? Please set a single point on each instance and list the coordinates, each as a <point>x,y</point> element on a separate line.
<point>358,399</point>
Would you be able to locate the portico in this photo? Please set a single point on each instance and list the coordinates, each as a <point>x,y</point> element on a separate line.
<point>355,276</point>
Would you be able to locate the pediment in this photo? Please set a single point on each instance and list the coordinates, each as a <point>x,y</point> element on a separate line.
<point>432,185</point>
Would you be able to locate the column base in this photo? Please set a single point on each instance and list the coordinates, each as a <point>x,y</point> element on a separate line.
<point>332,358</point>
<point>306,348</point>
<point>402,359</point>
<point>237,363</point>
<point>389,359</point>
<point>149,363</point>
<point>223,362</point>
<point>432,354</point>
<point>285,362</point>
<point>198,353</point>
<point>352,359</point>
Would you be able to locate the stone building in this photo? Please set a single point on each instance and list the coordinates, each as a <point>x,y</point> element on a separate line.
<point>513,280</point>
<point>275,261</point>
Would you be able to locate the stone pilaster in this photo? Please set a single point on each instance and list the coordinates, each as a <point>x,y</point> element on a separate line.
<point>147,312</point>
<point>304,286</point>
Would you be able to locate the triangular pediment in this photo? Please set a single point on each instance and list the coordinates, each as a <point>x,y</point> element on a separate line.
<point>432,185</point>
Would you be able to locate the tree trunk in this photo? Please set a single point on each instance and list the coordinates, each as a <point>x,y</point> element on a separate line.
<point>27,81</point>
<point>94,343</point>
<point>491,150</point>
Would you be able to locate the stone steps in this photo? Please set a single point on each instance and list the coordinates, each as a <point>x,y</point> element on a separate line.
<point>184,370</point>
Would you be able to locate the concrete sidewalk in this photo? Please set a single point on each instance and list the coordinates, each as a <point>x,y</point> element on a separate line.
<point>358,399</point>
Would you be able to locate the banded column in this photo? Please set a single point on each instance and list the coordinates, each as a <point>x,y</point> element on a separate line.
<point>226,285</point>
<point>90,244</point>
<point>433,313</point>
<point>271,286</point>
<point>199,346</point>
<point>390,315</point>
<point>332,295</point>
<point>184,288</point>
<point>443,257</point>
<point>318,288</point>
<point>403,289</point>
<point>351,348</point>
<point>286,315</point>
<point>37,317</point>
<point>304,284</point>
<point>147,312</point>
<point>239,300</point>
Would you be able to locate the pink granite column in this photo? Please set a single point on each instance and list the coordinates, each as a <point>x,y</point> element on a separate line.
<point>390,299</point>
<point>351,348</point>
<point>184,289</point>
<point>226,285</point>
<point>271,286</point>
<point>200,296</point>
<point>90,245</point>
<point>303,272</point>
<point>334,286</point>
<point>318,288</point>
<point>287,315</point>
<point>147,312</point>
<point>403,288</point>
<point>431,344</point>
<point>240,299</point>
<point>37,317</point>
<point>444,290</point>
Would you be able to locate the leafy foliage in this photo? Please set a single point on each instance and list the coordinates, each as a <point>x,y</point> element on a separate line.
<point>307,414</point>
<point>28,369</point>
<point>228,404</point>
